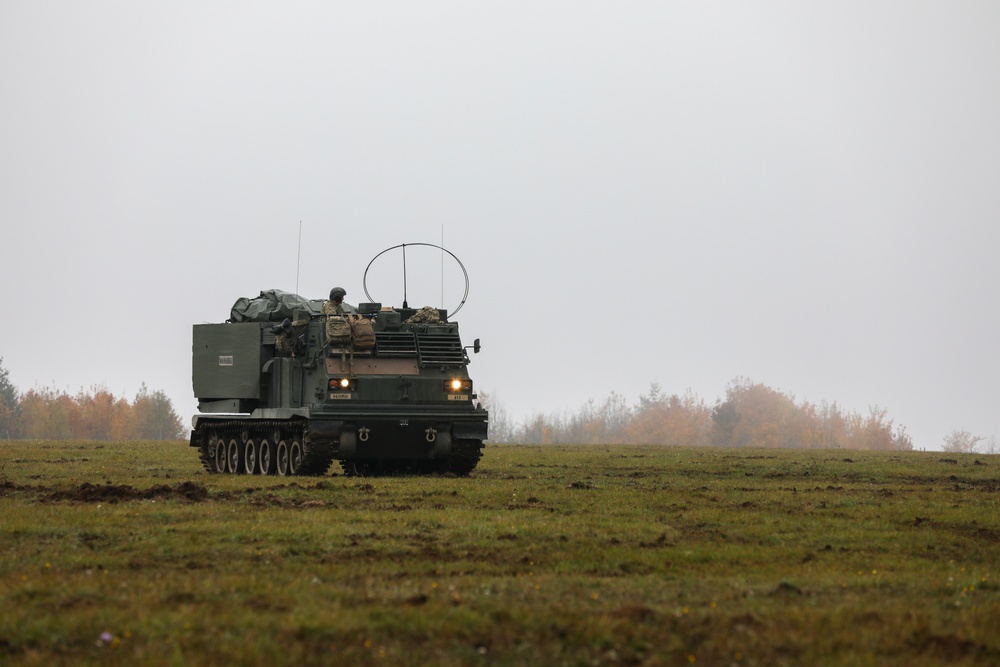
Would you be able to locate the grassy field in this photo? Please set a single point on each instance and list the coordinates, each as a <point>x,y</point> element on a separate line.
<point>129,553</point>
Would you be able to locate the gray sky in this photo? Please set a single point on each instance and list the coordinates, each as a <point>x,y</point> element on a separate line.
<point>803,194</point>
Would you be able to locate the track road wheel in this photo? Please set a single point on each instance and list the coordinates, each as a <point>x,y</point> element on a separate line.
<point>220,455</point>
<point>265,458</point>
<point>233,457</point>
<point>282,458</point>
<point>294,457</point>
<point>250,456</point>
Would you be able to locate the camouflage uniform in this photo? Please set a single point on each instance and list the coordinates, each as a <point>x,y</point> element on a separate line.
<point>332,308</point>
<point>427,315</point>
<point>286,344</point>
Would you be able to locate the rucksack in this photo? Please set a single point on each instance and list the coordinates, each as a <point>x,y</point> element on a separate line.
<point>362,333</point>
<point>338,330</point>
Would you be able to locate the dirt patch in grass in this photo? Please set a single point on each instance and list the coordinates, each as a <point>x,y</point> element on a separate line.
<point>949,647</point>
<point>187,491</point>
<point>113,493</point>
<point>107,493</point>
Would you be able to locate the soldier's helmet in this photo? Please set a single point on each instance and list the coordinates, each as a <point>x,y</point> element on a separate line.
<point>337,293</point>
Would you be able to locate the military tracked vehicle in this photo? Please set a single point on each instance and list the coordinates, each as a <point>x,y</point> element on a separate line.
<point>278,395</point>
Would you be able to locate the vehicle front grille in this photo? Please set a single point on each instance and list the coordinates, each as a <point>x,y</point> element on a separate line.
<point>396,344</point>
<point>440,349</point>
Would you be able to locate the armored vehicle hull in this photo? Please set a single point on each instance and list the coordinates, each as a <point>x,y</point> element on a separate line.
<point>289,400</point>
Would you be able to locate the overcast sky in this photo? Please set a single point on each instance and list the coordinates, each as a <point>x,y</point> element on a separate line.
<point>803,194</point>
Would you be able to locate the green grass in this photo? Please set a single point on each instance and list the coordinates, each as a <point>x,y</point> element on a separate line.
<point>545,556</point>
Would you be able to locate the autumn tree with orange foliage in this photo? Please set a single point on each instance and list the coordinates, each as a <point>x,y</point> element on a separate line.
<point>45,414</point>
<point>669,420</point>
<point>751,415</point>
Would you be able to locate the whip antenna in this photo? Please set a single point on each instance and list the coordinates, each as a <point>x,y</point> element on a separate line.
<point>404,277</point>
<point>298,258</point>
<point>442,265</point>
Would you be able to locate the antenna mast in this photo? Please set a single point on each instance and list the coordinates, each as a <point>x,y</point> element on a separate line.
<point>298,258</point>
<point>442,265</point>
<point>405,305</point>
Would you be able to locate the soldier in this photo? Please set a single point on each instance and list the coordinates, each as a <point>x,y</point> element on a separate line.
<point>286,343</point>
<point>336,305</point>
<point>338,330</point>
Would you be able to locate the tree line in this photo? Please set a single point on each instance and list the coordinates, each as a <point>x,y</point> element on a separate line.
<point>750,415</point>
<point>49,414</point>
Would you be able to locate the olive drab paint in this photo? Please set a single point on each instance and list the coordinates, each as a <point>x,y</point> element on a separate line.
<point>277,396</point>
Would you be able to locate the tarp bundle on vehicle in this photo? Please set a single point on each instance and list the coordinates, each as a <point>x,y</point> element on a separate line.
<point>272,305</point>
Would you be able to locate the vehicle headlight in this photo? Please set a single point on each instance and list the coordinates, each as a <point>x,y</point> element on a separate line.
<point>458,386</point>
<point>342,384</point>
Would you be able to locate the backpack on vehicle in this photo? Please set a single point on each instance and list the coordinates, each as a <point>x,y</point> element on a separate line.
<point>362,332</point>
<point>338,330</point>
